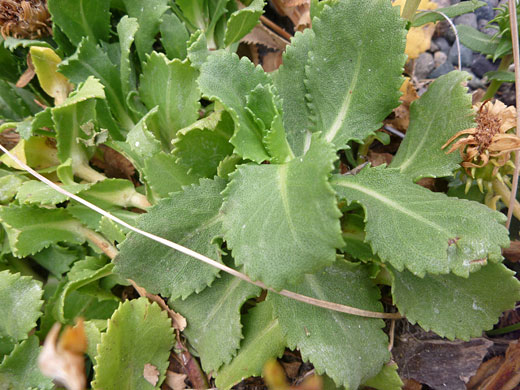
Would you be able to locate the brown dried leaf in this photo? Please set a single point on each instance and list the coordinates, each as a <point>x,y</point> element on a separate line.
<point>295,3</point>
<point>375,159</point>
<point>175,381</point>
<point>299,14</point>
<point>401,118</point>
<point>151,374</point>
<point>508,375</point>
<point>28,75</point>
<point>513,252</point>
<point>272,61</point>
<point>263,36</point>
<point>485,370</point>
<point>63,360</point>
<point>410,384</point>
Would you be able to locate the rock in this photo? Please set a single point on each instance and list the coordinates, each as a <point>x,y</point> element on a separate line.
<point>482,27</point>
<point>482,65</point>
<point>475,83</point>
<point>466,55</point>
<point>442,3</point>
<point>455,2</point>
<point>486,12</point>
<point>442,44</point>
<point>433,47</point>
<point>443,69</point>
<point>467,19</point>
<point>439,58</point>
<point>492,3</point>
<point>423,65</point>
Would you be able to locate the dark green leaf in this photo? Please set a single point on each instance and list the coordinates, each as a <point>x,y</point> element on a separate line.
<point>476,40</point>
<point>463,7</point>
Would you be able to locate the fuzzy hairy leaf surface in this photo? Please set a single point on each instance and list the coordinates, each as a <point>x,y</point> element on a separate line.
<point>82,18</point>
<point>411,227</point>
<point>352,90</point>
<point>174,37</point>
<point>439,113</point>
<point>227,79</point>
<point>177,97</point>
<point>281,221</point>
<point>19,370</point>
<point>241,22</point>
<point>263,340</point>
<point>349,349</point>
<point>455,307</point>
<point>126,29</point>
<point>39,193</point>
<point>201,146</point>
<point>213,316</point>
<point>190,218</point>
<point>20,304</point>
<point>30,229</point>
<point>138,333</point>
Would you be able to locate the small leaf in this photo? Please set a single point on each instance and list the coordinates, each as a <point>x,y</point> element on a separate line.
<point>242,21</point>
<point>350,349</point>
<point>19,370</point>
<point>126,30</point>
<point>57,259</point>
<point>9,186</point>
<point>411,227</point>
<point>30,229</point>
<point>439,113</point>
<point>227,79</point>
<point>476,40</point>
<point>277,230</point>
<point>456,307</point>
<point>80,18</point>
<point>39,193</point>
<point>213,316</point>
<point>174,37</point>
<point>12,106</point>
<point>178,98</point>
<point>190,218</point>
<point>20,304</point>
<point>501,75</point>
<point>461,8</point>
<point>387,379</point>
<point>263,340</point>
<point>138,333</point>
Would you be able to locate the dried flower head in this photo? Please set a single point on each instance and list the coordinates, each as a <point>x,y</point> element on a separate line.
<point>489,141</point>
<point>24,19</point>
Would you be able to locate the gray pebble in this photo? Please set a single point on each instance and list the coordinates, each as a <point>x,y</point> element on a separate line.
<point>442,44</point>
<point>423,65</point>
<point>466,55</point>
<point>486,12</point>
<point>467,19</point>
<point>443,69</point>
<point>482,65</point>
<point>482,26</point>
<point>433,47</point>
<point>439,58</point>
<point>475,82</point>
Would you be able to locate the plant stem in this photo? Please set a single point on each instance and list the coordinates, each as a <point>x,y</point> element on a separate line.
<point>495,84</point>
<point>505,193</point>
<point>139,200</point>
<point>87,173</point>
<point>409,9</point>
<point>100,241</point>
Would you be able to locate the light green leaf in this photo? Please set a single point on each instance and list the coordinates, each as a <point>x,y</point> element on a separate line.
<point>20,304</point>
<point>111,230</point>
<point>46,62</point>
<point>263,340</point>
<point>93,331</point>
<point>241,22</point>
<point>114,192</point>
<point>352,90</point>
<point>177,98</point>
<point>174,37</point>
<point>213,316</point>
<point>82,18</point>
<point>19,370</point>
<point>281,221</point>
<point>387,379</point>
<point>411,227</point>
<point>476,40</point>
<point>196,11</point>
<point>164,175</point>
<point>228,165</point>
<point>227,79</point>
<point>12,44</point>
<point>126,29</point>
<point>138,333</point>
<point>90,60</point>
<point>39,193</point>
<point>190,218</point>
<point>463,7</point>
<point>9,186</point>
<point>30,229</point>
<point>148,15</point>
<point>455,307</point>
<point>203,145</point>
<point>501,75</point>
<point>439,113</point>
<point>349,349</point>
<point>197,51</point>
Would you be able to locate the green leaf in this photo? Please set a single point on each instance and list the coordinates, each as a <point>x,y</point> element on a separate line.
<point>476,40</point>
<point>387,379</point>
<point>241,22</point>
<point>197,51</point>
<point>93,331</point>
<point>455,307</point>
<point>126,30</point>
<point>203,145</point>
<point>174,37</point>
<point>178,98</point>
<point>349,349</point>
<point>20,304</point>
<point>164,175</point>
<point>9,186</point>
<point>8,63</point>
<point>82,18</point>
<point>46,62</point>
<point>148,15</point>
<point>19,370</point>
<point>281,221</point>
<point>227,79</point>
<point>57,259</point>
<point>39,193</point>
<point>90,60</point>
<point>352,90</point>
<point>213,316</point>
<point>439,113</point>
<point>113,192</point>
<point>411,227</point>
<point>138,333</point>
<point>190,218</point>
<point>12,106</point>
<point>30,229</point>
<point>501,75</point>
<point>195,11</point>
<point>263,340</point>
<point>463,7</point>
<point>12,44</point>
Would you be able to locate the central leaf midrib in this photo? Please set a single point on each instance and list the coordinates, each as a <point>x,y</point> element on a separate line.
<point>282,185</point>
<point>220,302</point>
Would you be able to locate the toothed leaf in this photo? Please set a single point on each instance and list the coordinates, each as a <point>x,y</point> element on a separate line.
<point>411,227</point>
<point>39,193</point>
<point>281,221</point>
<point>349,349</point>
<point>241,22</point>
<point>174,37</point>
<point>126,29</point>
<point>138,333</point>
